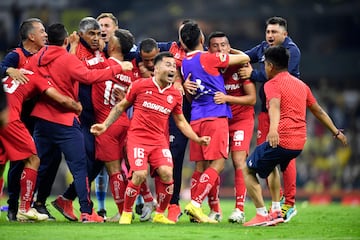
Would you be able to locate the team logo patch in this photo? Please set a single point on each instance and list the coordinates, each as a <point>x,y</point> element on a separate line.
<point>131,192</point>
<point>204,178</point>
<point>170,189</point>
<point>222,56</point>
<point>235,76</point>
<point>170,99</point>
<point>139,162</point>
<point>239,135</point>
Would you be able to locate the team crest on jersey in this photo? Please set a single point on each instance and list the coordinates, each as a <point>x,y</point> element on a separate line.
<point>170,99</point>
<point>235,76</point>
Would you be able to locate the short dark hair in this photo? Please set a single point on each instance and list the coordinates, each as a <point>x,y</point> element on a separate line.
<point>190,35</point>
<point>278,56</point>
<point>159,57</point>
<point>216,34</point>
<point>126,40</point>
<point>26,27</point>
<point>57,34</point>
<point>147,45</point>
<point>277,20</point>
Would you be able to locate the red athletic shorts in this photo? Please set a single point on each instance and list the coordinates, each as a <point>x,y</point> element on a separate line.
<point>109,146</point>
<point>241,132</point>
<point>16,142</point>
<point>218,130</point>
<point>140,155</point>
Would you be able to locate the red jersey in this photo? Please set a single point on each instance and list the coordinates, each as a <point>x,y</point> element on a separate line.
<point>103,92</point>
<point>65,70</point>
<point>152,108</point>
<point>179,53</point>
<point>295,96</point>
<point>17,93</point>
<point>23,58</point>
<point>235,87</point>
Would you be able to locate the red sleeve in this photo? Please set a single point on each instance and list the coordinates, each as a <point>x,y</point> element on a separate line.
<point>212,62</point>
<point>310,100</point>
<point>131,93</point>
<point>88,76</point>
<point>179,101</point>
<point>271,91</point>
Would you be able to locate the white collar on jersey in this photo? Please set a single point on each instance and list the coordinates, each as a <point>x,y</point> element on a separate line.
<point>159,88</point>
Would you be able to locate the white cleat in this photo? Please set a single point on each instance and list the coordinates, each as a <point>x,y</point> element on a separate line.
<point>237,216</point>
<point>31,215</point>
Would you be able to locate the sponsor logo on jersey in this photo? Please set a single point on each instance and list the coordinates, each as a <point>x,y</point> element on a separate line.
<point>156,107</point>
<point>232,87</point>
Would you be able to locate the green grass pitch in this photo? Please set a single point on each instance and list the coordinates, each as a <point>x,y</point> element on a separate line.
<point>332,221</point>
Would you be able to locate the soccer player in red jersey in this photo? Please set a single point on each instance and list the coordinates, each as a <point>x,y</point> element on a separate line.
<point>154,99</point>
<point>241,95</point>
<point>287,99</point>
<point>108,23</point>
<point>16,141</point>
<point>109,147</point>
<point>207,116</point>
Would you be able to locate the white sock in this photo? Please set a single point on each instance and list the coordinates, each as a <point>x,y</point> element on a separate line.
<point>262,211</point>
<point>275,206</point>
<point>196,204</point>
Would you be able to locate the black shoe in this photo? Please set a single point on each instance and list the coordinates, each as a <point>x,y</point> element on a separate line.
<point>11,215</point>
<point>138,208</point>
<point>41,208</point>
<point>102,213</point>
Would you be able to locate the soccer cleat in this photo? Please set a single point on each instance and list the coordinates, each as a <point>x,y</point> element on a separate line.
<point>147,209</point>
<point>139,204</point>
<point>30,215</point>
<point>11,215</point>
<point>160,218</point>
<point>174,212</point>
<point>260,220</point>
<point>114,218</point>
<point>197,214</point>
<point>237,216</point>
<point>282,200</point>
<point>215,216</point>
<point>288,212</point>
<point>91,218</point>
<point>276,217</point>
<point>65,207</point>
<point>41,208</point>
<point>126,218</point>
<point>102,213</point>
<point>193,220</point>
